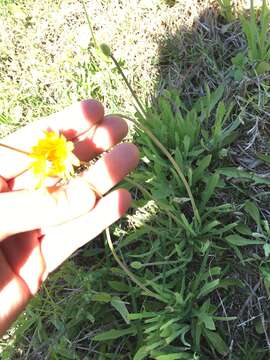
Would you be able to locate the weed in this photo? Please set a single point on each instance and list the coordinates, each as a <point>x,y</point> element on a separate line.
<point>257,34</point>
<point>227,9</point>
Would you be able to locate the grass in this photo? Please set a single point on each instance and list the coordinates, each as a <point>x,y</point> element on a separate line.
<point>200,247</point>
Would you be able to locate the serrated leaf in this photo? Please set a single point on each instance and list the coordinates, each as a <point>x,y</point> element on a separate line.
<point>238,240</point>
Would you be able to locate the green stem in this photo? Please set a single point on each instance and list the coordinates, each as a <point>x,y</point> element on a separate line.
<point>128,272</point>
<point>128,85</point>
<point>89,24</point>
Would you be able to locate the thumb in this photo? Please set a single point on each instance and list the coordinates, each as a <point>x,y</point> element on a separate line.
<point>26,210</point>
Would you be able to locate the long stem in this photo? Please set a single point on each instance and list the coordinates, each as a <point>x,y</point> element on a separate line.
<point>171,159</point>
<point>156,141</point>
<point>14,149</point>
<point>128,84</point>
<point>128,272</point>
<point>89,24</point>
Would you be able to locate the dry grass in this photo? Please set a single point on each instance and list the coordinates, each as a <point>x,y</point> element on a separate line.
<point>44,49</point>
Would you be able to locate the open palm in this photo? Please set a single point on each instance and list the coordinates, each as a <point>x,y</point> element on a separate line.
<point>41,228</point>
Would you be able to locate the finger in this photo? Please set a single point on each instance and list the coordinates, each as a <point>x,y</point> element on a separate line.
<point>113,167</point>
<point>61,241</point>
<point>107,134</point>
<point>14,295</point>
<point>23,254</point>
<point>26,210</point>
<point>72,122</point>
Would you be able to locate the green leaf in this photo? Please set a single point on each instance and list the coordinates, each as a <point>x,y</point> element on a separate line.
<point>243,229</point>
<point>263,67</point>
<point>238,75</point>
<point>253,211</point>
<point>230,282</point>
<point>239,59</point>
<point>172,356</point>
<point>114,334</point>
<point>119,286</point>
<point>136,265</point>
<point>216,341</point>
<point>174,334</point>
<point>232,172</point>
<point>266,248</point>
<point>187,225</point>
<point>208,321</point>
<point>139,316</point>
<point>101,297</point>
<point>259,327</point>
<point>142,353</point>
<point>225,318</point>
<point>263,157</point>
<point>209,189</point>
<point>238,240</point>
<point>202,165</point>
<point>209,287</point>
<point>120,306</point>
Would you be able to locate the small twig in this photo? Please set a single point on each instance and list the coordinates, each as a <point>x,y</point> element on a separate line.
<point>263,321</point>
<point>253,291</point>
<point>248,321</point>
<point>254,133</point>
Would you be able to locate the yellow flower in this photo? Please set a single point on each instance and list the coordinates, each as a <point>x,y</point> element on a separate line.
<point>53,157</point>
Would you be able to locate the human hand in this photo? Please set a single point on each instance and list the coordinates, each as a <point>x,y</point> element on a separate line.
<point>41,228</point>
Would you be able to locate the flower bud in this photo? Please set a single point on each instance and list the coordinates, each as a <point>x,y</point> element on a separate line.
<point>105,50</point>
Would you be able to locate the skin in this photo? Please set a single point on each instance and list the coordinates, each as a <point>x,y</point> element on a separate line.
<point>41,228</point>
